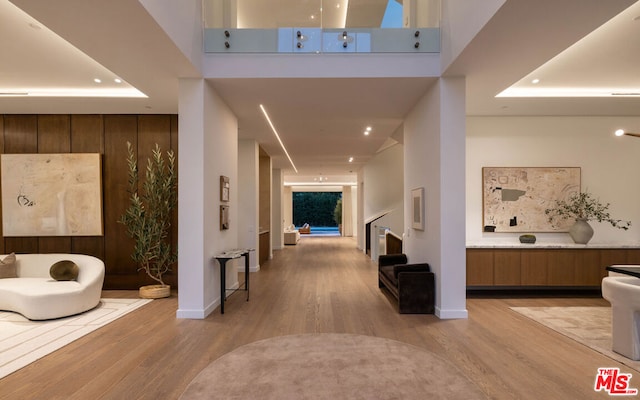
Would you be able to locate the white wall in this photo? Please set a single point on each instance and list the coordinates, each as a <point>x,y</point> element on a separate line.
<point>383,187</point>
<point>277,209</point>
<point>461,21</point>
<point>247,188</point>
<point>434,146</point>
<point>208,148</point>
<point>354,209</point>
<point>608,165</point>
<point>182,21</point>
<point>360,233</point>
<point>287,204</point>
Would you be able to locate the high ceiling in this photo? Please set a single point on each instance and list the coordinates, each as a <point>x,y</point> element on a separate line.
<point>322,120</point>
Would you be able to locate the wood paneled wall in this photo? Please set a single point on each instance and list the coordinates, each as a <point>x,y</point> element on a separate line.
<point>107,135</point>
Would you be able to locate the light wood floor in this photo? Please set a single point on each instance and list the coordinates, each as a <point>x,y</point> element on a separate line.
<point>320,285</point>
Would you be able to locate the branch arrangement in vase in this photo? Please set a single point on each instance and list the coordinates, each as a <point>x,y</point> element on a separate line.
<point>584,206</point>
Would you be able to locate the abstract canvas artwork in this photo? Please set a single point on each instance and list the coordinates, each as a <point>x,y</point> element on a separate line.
<point>514,198</point>
<point>51,194</point>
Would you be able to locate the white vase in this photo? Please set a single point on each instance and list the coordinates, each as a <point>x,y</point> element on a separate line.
<point>581,232</point>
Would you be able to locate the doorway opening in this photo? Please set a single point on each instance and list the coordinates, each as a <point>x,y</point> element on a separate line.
<point>321,211</point>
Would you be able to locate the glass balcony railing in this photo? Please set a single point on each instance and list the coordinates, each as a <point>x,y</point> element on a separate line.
<point>321,26</point>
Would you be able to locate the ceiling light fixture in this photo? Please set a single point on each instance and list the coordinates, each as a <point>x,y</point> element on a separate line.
<point>278,137</point>
<point>117,80</point>
<point>535,81</point>
<point>621,132</point>
<point>350,159</point>
<point>97,80</point>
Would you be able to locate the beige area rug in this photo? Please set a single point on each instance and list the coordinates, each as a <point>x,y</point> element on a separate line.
<point>590,326</point>
<point>23,341</point>
<point>330,366</point>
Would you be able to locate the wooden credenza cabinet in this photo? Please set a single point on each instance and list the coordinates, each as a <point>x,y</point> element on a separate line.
<point>537,268</point>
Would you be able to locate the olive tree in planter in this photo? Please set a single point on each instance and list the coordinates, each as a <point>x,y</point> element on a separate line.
<point>148,217</point>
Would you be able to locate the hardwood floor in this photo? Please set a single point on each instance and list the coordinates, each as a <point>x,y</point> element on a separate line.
<point>319,285</point>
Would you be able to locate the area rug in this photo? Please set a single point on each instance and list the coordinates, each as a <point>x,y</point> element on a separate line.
<point>23,341</point>
<point>590,326</point>
<point>330,366</point>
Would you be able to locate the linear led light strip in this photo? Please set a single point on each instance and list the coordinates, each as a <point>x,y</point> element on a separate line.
<point>278,137</point>
<point>63,92</point>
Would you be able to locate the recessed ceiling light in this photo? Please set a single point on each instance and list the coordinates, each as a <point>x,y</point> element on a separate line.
<point>368,129</point>
<point>535,81</point>
<point>97,80</point>
<point>350,159</point>
<point>619,132</point>
<point>117,80</point>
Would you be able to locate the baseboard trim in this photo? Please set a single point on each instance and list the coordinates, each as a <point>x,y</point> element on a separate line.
<point>255,268</point>
<point>198,313</point>
<point>451,314</point>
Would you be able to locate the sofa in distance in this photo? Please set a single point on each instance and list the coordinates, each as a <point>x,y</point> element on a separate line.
<point>413,285</point>
<point>37,296</point>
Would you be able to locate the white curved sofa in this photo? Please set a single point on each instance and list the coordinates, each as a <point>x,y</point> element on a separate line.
<point>37,296</point>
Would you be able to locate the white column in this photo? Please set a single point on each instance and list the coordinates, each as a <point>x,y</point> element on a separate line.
<point>434,146</point>
<point>347,211</point>
<point>208,136</point>
<point>277,209</point>
<point>360,233</point>
<point>287,203</point>
<point>248,197</point>
<point>191,262</point>
<point>452,199</point>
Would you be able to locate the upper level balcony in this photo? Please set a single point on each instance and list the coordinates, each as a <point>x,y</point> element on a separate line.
<point>321,26</point>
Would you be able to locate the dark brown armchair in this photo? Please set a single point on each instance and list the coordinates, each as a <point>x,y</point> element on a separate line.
<point>413,285</point>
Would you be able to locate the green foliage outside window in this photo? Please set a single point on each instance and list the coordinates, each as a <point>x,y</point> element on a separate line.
<point>315,208</point>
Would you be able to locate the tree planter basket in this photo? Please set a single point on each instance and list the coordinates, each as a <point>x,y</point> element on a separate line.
<point>155,291</point>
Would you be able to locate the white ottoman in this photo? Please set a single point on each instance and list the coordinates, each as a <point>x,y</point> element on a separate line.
<point>291,237</point>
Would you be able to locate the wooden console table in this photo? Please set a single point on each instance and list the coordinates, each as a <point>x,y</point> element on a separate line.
<point>222,259</point>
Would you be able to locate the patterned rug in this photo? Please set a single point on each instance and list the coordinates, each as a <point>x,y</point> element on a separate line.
<point>331,366</point>
<point>23,341</point>
<point>590,326</point>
